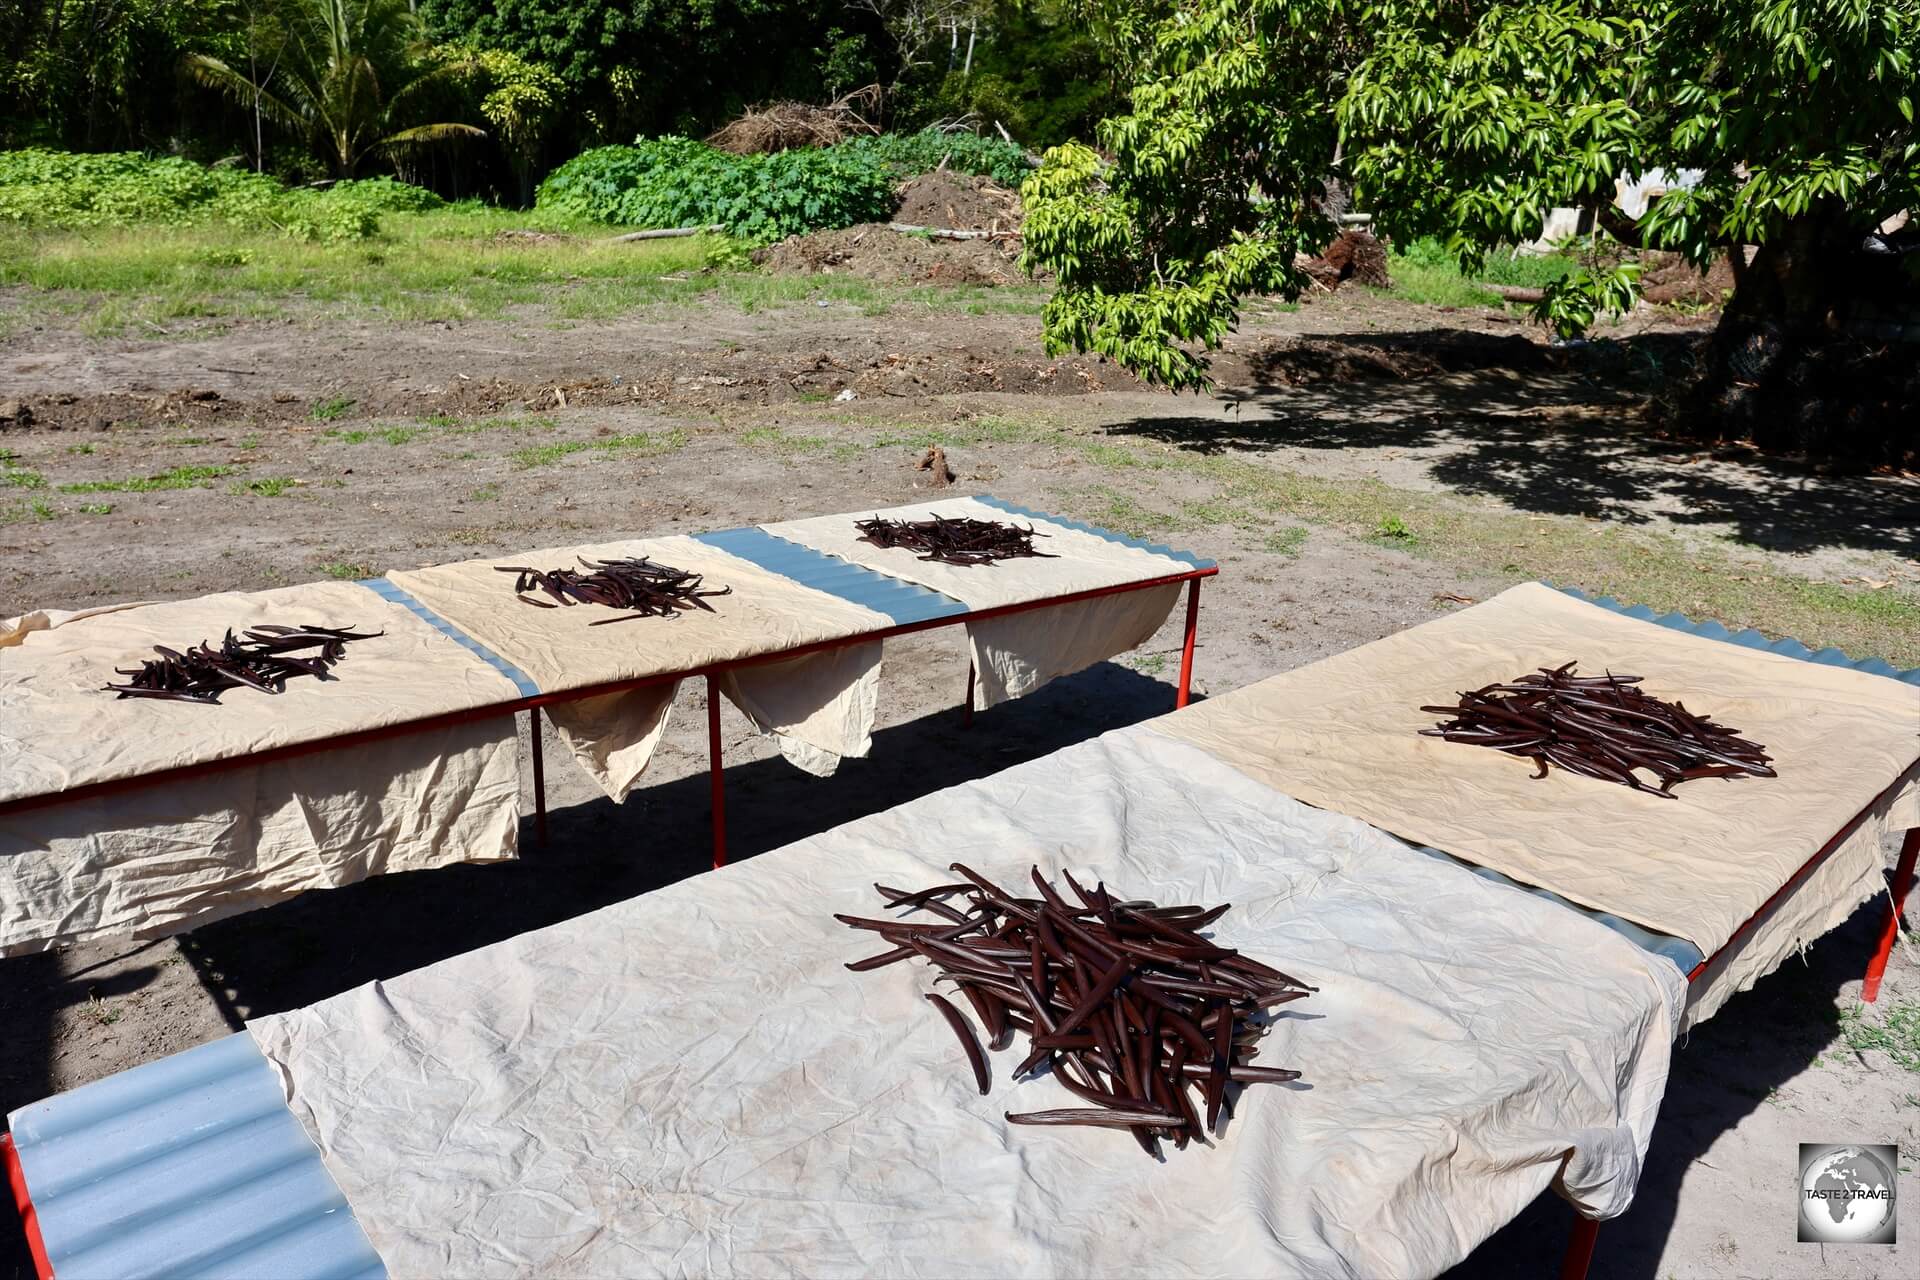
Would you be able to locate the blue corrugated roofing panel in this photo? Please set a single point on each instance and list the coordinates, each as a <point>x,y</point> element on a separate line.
<point>1678,950</point>
<point>389,591</point>
<point>904,602</point>
<point>188,1166</point>
<point>1141,544</point>
<point>1749,638</point>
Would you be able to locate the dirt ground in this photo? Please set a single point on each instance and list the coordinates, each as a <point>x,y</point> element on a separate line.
<point>354,448</point>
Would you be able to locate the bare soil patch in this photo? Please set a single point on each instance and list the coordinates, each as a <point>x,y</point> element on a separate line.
<point>874,251</point>
<point>959,202</point>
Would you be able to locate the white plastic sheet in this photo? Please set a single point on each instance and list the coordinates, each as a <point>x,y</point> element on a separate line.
<point>690,1083</point>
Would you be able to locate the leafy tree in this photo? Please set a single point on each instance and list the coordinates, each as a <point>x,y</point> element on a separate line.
<point>349,72</point>
<point>1468,120</point>
<point>520,99</point>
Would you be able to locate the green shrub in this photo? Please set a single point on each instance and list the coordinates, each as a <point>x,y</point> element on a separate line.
<point>677,182</point>
<point>906,154</point>
<point>124,188</point>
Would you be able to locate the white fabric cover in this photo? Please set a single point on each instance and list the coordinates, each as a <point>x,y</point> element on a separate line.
<point>690,1083</point>
<point>818,707</point>
<point>151,861</point>
<point>1344,733</point>
<point>58,730</point>
<point>613,736</point>
<point>1016,654</point>
<point>154,861</point>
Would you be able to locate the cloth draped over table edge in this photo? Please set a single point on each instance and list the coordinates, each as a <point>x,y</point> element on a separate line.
<point>1343,733</point>
<point>690,1081</point>
<point>147,861</point>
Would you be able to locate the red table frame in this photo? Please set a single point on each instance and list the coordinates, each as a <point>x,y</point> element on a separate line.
<point>532,705</point>
<point>1586,1231</point>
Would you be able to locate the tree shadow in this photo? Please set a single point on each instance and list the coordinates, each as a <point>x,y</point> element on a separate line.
<point>1722,1071</point>
<point>600,853</point>
<point>1554,431</point>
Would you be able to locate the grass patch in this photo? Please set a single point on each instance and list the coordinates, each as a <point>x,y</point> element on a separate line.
<point>448,265</point>
<point>1895,1033</point>
<point>642,444</point>
<point>485,493</point>
<point>1392,531</point>
<point>331,408</point>
<point>80,448</point>
<point>268,487</point>
<point>174,478</point>
<point>780,442</point>
<point>1288,542</point>
<point>395,436</point>
<point>185,442</point>
<point>12,477</point>
<point>347,570</point>
<point>96,508</point>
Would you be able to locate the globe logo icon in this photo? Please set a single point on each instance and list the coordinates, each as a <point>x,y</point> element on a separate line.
<point>1847,1196</point>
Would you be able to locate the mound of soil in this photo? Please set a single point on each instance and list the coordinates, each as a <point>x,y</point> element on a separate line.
<point>959,202</point>
<point>1667,279</point>
<point>1299,362</point>
<point>873,251</point>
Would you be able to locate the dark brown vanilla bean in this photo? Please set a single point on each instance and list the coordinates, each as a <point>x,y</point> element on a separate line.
<point>641,588</point>
<point>961,541</point>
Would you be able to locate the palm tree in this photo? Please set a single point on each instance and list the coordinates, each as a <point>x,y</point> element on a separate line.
<point>348,70</point>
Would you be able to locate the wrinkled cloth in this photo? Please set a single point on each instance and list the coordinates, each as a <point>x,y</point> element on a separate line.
<point>150,862</point>
<point>1015,654</point>
<point>691,1083</point>
<point>613,736</point>
<point>1344,733</point>
<point>60,730</point>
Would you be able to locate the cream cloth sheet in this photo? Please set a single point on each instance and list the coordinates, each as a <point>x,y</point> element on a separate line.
<point>1016,654</point>
<point>614,736</point>
<point>1342,733</point>
<point>59,730</point>
<point>691,1083</point>
<point>154,861</point>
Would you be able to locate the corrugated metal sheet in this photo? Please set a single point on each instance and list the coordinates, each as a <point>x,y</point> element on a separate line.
<point>904,602</point>
<point>188,1166</point>
<point>388,591</point>
<point>1141,544</point>
<point>1749,638</point>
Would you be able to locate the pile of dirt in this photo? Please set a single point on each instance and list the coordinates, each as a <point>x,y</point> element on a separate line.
<point>958,202</point>
<point>1299,362</point>
<point>1667,279</point>
<point>874,251</point>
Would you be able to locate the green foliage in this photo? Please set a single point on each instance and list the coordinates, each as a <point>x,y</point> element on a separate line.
<point>342,77</point>
<point>677,182</point>
<point>173,478</point>
<point>907,154</point>
<point>1465,122</point>
<point>121,189</point>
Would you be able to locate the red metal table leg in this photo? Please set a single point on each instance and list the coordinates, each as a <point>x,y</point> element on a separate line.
<point>17,1180</point>
<point>966,711</point>
<point>1902,881</point>
<point>1579,1248</point>
<point>713,773</point>
<point>539,777</point>
<point>1186,650</point>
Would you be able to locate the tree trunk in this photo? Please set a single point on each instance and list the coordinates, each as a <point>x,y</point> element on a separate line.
<point>1815,352</point>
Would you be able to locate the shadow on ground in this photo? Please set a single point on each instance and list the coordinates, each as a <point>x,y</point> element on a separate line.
<point>1723,1070</point>
<point>1556,432</point>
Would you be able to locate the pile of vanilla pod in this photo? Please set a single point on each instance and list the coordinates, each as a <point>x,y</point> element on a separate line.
<point>264,660</point>
<point>1601,727</point>
<point>641,587</point>
<point>959,540</point>
<point>1127,1005</point>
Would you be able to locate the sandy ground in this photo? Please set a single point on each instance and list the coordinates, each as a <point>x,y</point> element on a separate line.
<point>1769,1072</point>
